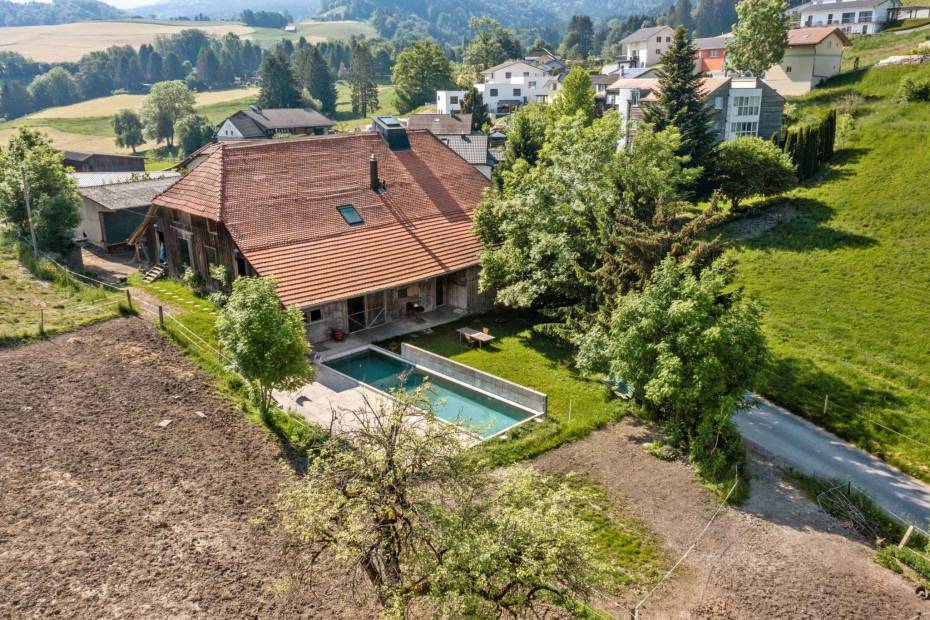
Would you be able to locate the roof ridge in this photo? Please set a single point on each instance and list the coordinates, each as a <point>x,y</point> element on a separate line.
<point>222,209</point>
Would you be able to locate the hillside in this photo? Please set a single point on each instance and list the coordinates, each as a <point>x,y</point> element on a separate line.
<point>841,266</point>
<point>447,20</point>
<point>224,9</point>
<point>55,12</point>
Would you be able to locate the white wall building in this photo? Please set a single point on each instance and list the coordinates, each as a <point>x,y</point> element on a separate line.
<point>515,83</point>
<point>813,55</point>
<point>644,48</point>
<point>449,101</point>
<point>850,16</point>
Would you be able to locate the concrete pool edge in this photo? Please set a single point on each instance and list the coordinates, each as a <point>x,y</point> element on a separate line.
<point>531,414</point>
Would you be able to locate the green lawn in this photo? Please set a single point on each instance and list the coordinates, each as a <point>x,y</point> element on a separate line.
<point>845,278</point>
<point>576,405</point>
<point>346,121</point>
<point>872,48</point>
<point>314,32</point>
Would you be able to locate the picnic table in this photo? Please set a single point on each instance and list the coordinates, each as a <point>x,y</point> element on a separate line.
<point>470,336</point>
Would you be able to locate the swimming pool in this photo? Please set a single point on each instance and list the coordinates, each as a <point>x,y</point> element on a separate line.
<point>479,412</point>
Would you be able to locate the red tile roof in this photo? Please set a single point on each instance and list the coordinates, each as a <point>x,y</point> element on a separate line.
<point>279,200</point>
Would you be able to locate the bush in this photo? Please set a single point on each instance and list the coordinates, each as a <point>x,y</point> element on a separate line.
<point>191,279</point>
<point>914,89</point>
<point>748,166</point>
<point>717,451</point>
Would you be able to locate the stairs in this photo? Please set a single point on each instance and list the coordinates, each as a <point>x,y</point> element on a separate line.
<point>154,273</point>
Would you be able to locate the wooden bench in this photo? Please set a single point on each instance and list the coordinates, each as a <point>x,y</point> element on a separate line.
<point>470,336</point>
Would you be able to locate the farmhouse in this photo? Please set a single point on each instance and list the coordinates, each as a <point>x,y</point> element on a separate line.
<point>113,204</point>
<point>741,106</point>
<point>257,123</point>
<point>812,56</point>
<point>103,162</point>
<point>850,16</point>
<point>358,229</point>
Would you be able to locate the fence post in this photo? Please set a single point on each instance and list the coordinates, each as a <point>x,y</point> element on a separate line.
<point>906,537</point>
<point>161,316</point>
<point>41,321</point>
<point>826,401</point>
<point>129,299</point>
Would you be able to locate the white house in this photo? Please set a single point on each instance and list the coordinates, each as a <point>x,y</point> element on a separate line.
<point>449,101</point>
<point>517,82</point>
<point>850,16</point>
<point>812,56</point>
<point>644,48</point>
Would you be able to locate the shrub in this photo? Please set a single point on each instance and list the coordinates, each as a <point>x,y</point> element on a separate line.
<point>914,89</point>
<point>749,166</point>
<point>191,278</point>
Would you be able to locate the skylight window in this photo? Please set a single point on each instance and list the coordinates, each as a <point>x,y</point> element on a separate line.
<point>350,215</point>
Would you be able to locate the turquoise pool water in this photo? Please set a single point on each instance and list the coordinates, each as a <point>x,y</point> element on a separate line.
<point>483,415</point>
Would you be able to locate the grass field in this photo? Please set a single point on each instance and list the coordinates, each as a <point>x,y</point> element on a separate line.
<point>872,48</point>
<point>576,405</point>
<point>60,303</point>
<point>845,276</point>
<point>70,131</point>
<point>68,42</point>
<point>314,32</point>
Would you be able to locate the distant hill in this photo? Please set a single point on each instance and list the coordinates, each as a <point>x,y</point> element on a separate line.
<point>447,20</point>
<point>226,9</point>
<point>55,12</point>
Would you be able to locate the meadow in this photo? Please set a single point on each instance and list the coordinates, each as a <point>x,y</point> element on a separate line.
<point>314,32</point>
<point>872,48</point>
<point>68,42</point>
<point>844,275</point>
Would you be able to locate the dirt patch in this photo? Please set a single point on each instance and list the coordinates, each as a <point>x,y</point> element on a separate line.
<point>778,556</point>
<point>106,513</point>
<point>752,227</point>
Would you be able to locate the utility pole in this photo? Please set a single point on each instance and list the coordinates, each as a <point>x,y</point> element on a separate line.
<point>32,230</point>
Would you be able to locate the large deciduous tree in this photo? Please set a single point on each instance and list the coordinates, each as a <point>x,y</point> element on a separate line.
<point>490,46</point>
<point>165,104</point>
<point>127,127</point>
<point>576,95</point>
<point>760,36</point>
<point>419,71</point>
<point>680,103</point>
<point>278,86</point>
<point>415,513</point>
<point>53,197</point>
<point>690,348</point>
<point>362,80</point>
<point>265,343</point>
<point>55,88</point>
<point>749,166</point>
<point>192,132</point>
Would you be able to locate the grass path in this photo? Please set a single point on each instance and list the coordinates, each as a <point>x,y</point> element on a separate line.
<point>845,278</point>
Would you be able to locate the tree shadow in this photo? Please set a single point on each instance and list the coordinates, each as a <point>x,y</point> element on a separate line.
<point>804,229</point>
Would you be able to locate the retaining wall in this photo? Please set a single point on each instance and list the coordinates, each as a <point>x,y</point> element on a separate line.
<point>531,399</point>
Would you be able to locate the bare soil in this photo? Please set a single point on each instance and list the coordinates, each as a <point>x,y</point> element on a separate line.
<point>105,513</point>
<point>777,556</point>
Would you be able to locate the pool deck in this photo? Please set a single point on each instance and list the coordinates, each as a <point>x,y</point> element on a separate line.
<point>395,329</point>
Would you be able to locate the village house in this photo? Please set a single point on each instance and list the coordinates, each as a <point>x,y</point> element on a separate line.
<point>741,106</point>
<point>258,123</point>
<point>113,204</point>
<point>850,16</point>
<point>644,48</point>
<point>812,56</point>
<point>712,55</point>
<point>359,230</point>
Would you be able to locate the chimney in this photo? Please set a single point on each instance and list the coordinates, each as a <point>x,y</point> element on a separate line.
<point>374,181</point>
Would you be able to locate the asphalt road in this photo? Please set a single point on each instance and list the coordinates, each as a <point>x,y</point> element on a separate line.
<point>813,450</point>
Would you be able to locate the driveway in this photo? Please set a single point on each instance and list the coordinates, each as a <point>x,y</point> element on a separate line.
<point>813,450</point>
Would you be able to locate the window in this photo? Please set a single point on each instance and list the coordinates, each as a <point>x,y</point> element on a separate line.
<point>636,96</point>
<point>788,69</point>
<point>829,18</point>
<point>454,100</point>
<point>658,39</point>
<point>507,75</point>
<point>713,54</point>
<point>743,128</point>
<point>211,255</point>
<point>848,18</point>
<point>494,92</point>
<point>865,16</point>
<point>516,92</point>
<point>314,315</point>
<point>526,74</point>
<point>532,84</point>
<point>747,105</point>
<point>668,39</point>
<point>718,103</point>
<point>350,215</point>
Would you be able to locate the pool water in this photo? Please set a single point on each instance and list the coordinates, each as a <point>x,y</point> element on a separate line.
<point>453,402</point>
